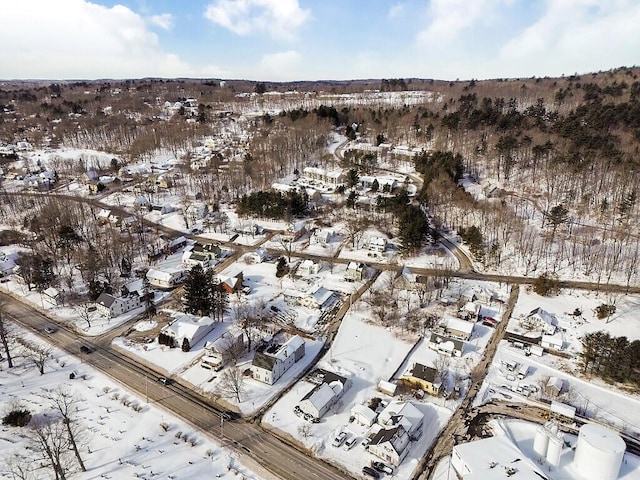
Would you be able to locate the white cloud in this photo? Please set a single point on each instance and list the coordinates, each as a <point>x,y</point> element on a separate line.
<point>280,66</point>
<point>278,18</point>
<point>396,10</point>
<point>449,18</point>
<point>577,36</point>
<point>79,39</point>
<point>164,20</point>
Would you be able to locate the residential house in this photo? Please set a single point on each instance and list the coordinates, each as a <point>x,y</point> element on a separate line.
<point>554,386</point>
<point>166,277</point>
<point>423,377</point>
<point>193,257</point>
<point>272,361</point>
<point>294,231</point>
<point>319,400</point>
<point>231,283</point>
<point>322,236</point>
<point>363,415</point>
<point>542,320</point>
<point>333,177</point>
<point>460,329</point>
<point>377,244</point>
<point>308,267</point>
<point>405,414</point>
<point>190,328</point>
<point>446,345</point>
<point>318,298</point>
<point>176,244</point>
<point>355,272</point>
<point>225,348</point>
<point>110,306</point>
<point>390,444</point>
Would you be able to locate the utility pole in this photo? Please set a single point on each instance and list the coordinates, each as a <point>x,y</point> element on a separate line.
<point>221,427</point>
<point>146,387</point>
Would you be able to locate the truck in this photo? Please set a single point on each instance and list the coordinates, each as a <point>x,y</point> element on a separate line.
<point>523,371</point>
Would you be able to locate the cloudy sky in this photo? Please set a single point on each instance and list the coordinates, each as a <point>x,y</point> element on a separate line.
<point>315,39</point>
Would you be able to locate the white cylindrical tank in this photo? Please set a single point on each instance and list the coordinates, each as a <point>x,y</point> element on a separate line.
<point>599,452</point>
<point>540,442</point>
<point>554,450</point>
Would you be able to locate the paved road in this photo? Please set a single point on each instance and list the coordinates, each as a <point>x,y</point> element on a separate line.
<point>277,457</point>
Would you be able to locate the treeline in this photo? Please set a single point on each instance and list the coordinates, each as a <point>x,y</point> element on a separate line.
<point>275,205</point>
<point>614,359</point>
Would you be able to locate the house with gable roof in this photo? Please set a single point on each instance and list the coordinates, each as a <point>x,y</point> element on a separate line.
<point>320,398</point>
<point>544,320</point>
<point>446,345</point>
<point>423,377</point>
<point>398,424</point>
<point>272,361</point>
<point>190,328</point>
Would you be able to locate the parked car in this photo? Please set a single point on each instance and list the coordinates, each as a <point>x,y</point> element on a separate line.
<point>365,443</point>
<point>339,439</point>
<point>370,472</point>
<point>382,467</point>
<point>350,442</point>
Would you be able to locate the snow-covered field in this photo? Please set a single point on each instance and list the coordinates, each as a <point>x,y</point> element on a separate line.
<point>118,441</point>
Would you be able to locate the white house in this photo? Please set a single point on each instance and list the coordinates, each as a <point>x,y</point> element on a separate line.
<point>109,306</point>
<point>458,328</point>
<point>377,244</point>
<point>319,400</point>
<point>191,258</point>
<point>188,327</point>
<point>52,295</point>
<point>399,423</point>
<point>217,353</point>
<point>318,298</point>
<point>271,362</point>
<point>308,267</point>
<point>446,345</point>
<point>363,415</point>
<point>390,444</point>
<point>543,320</point>
<point>354,272</point>
<point>165,278</point>
<point>405,414</point>
<point>321,236</point>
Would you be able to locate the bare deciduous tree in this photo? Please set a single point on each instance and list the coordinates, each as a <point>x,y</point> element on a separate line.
<point>6,334</point>
<point>232,384</point>
<point>66,404</point>
<point>39,356</point>
<point>50,444</point>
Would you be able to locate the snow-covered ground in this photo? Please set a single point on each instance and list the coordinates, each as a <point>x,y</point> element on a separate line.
<point>365,354</point>
<point>119,442</point>
<point>592,397</point>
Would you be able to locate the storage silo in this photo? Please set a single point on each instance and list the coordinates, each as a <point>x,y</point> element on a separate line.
<point>554,450</point>
<point>541,441</point>
<point>599,452</point>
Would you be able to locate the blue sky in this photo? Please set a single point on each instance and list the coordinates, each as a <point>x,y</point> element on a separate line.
<point>279,40</point>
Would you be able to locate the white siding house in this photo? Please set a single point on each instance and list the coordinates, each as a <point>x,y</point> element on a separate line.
<point>109,306</point>
<point>189,327</point>
<point>166,278</point>
<point>270,363</point>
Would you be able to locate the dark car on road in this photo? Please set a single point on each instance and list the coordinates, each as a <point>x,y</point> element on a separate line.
<point>86,349</point>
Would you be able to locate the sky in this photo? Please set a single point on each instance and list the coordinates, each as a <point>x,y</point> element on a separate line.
<point>283,40</point>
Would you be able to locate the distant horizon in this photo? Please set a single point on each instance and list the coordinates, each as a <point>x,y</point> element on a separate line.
<point>302,40</point>
<point>324,80</point>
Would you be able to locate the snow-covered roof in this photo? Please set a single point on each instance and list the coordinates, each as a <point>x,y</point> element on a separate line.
<point>552,340</point>
<point>563,409</point>
<point>289,347</point>
<point>459,325</point>
<point>365,412</point>
<point>187,326</point>
<point>487,459</point>
<point>321,295</point>
<point>543,315</point>
<point>320,396</point>
<point>164,275</point>
<point>405,414</point>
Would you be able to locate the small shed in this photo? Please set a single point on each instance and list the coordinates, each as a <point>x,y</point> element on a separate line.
<point>387,387</point>
<point>363,415</point>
